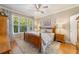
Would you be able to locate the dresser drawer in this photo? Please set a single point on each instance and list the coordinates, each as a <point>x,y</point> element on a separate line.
<point>60,37</point>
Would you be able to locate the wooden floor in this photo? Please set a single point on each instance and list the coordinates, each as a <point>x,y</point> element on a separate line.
<point>13,44</point>
<point>67,48</point>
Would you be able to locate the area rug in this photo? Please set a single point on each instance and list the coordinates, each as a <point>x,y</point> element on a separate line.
<point>26,47</point>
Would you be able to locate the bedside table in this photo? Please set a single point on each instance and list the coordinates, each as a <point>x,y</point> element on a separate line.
<point>59,38</point>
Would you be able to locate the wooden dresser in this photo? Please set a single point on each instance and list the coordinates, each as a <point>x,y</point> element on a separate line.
<point>60,38</point>
<point>4,38</point>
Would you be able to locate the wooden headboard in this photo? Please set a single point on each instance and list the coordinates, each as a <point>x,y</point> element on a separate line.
<point>53,29</point>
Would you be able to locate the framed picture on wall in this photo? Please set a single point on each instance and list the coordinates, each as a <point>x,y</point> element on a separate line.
<point>46,22</point>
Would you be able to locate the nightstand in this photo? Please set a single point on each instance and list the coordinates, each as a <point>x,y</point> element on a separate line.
<point>59,38</point>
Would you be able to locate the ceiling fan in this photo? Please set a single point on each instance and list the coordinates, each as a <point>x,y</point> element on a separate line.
<point>39,6</point>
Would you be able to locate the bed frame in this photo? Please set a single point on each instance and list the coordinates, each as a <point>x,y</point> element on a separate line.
<point>33,39</point>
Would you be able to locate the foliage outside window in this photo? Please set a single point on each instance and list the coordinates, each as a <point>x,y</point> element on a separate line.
<point>15,24</point>
<point>23,26</point>
<point>30,24</point>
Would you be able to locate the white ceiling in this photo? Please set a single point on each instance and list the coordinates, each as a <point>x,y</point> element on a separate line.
<point>30,10</point>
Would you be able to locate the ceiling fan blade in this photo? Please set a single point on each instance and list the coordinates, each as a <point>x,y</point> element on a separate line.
<point>45,6</point>
<point>36,6</point>
<point>39,5</point>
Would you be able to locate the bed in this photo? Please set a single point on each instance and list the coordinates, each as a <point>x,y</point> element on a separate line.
<point>35,38</point>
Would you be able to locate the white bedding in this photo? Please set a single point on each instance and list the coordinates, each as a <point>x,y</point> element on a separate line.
<point>47,39</point>
<point>54,48</point>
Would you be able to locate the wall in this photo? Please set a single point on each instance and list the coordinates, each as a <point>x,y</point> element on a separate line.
<point>64,18</point>
<point>44,20</point>
<point>37,24</point>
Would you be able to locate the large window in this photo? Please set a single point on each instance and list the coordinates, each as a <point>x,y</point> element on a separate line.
<point>22,24</point>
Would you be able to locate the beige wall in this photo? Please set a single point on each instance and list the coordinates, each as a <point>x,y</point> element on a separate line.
<point>64,18</point>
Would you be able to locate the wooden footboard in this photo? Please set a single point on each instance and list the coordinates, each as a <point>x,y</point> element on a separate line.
<point>33,39</point>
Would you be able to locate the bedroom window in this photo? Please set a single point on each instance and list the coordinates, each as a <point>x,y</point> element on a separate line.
<point>15,24</point>
<point>23,26</point>
<point>30,24</point>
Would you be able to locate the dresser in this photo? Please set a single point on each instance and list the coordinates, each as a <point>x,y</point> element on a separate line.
<point>4,38</point>
<point>59,38</point>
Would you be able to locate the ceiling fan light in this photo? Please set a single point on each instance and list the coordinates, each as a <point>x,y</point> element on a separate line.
<point>42,12</point>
